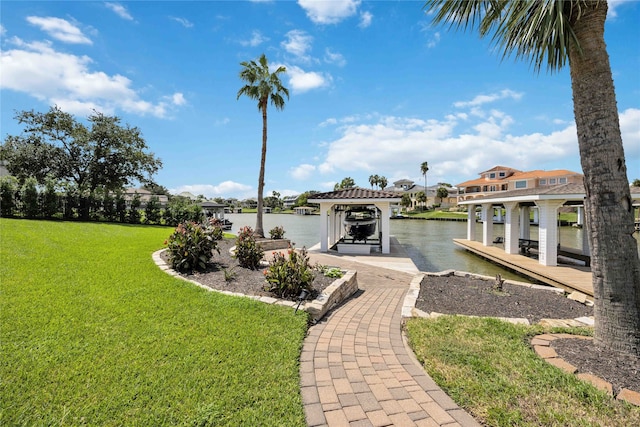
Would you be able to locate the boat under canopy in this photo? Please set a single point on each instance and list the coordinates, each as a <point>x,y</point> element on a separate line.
<point>360,223</point>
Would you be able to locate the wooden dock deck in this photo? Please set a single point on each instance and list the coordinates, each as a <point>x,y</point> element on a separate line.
<point>570,278</point>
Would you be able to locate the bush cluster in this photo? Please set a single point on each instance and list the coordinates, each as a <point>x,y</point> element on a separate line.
<point>277,232</point>
<point>191,246</point>
<point>248,252</point>
<point>289,274</point>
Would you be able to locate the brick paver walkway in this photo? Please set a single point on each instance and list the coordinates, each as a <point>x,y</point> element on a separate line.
<point>355,369</point>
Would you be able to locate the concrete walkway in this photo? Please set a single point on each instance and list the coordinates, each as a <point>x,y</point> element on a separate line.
<point>355,367</point>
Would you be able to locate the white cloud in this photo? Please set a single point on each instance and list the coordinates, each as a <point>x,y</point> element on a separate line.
<point>302,172</point>
<point>484,99</point>
<point>256,39</point>
<point>224,189</point>
<point>3,30</point>
<point>298,43</point>
<point>329,12</point>
<point>434,40</point>
<point>59,29</point>
<point>365,19</point>
<point>303,81</point>
<point>334,58</point>
<point>178,99</point>
<point>67,80</point>
<point>119,10</point>
<point>182,21</point>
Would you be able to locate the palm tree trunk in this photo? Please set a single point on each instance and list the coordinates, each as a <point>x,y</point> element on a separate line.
<point>615,264</point>
<point>259,231</point>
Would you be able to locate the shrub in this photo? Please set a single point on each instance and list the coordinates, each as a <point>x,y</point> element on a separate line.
<point>29,197</point>
<point>288,275</point>
<point>191,246</point>
<point>8,190</point>
<point>277,232</point>
<point>248,252</point>
<point>332,272</point>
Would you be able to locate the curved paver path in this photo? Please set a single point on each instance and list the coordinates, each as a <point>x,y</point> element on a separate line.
<point>355,369</point>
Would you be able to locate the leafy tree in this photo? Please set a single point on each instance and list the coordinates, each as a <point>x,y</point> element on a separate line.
<point>636,182</point>
<point>374,180</point>
<point>553,33</point>
<point>382,182</point>
<point>133,216</point>
<point>406,200</point>
<point>442,193</point>
<point>152,210</point>
<point>50,202</point>
<point>54,143</point>
<point>422,198</point>
<point>8,189</point>
<point>29,196</point>
<point>109,206</point>
<point>424,168</point>
<point>156,188</point>
<point>121,207</point>
<point>347,182</point>
<point>264,87</point>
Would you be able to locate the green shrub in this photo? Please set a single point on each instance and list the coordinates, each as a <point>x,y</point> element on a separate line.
<point>191,246</point>
<point>8,190</point>
<point>277,232</point>
<point>248,252</point>
<point>29,195</point>
<point>333,272</point>
<point>290,274</point>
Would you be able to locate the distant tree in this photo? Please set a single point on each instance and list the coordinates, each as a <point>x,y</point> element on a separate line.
<point>262,86</point>
<point>152,211</point>
<point>133,216</point>
<point>49,200</point>
<point>53,143</point>
<point>442,193</point>
<point>382,182</point>
<point>374,180</point>
<point>8,190</point>
<point>424,168</point>
<point>406,200</point>
<point>29,196</point>
<point>636,182</point>
<point>422,198</point>
<point>154,188</point>
<point>347,182</point>
<point>554,33</point>
<point>445,184</point>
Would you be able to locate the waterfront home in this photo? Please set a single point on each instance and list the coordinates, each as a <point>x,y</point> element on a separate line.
<point>406,186</point>
<point>502,178</point>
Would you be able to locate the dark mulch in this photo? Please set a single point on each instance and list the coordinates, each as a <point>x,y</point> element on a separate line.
<point>477,297</point>
<point>225,274</point>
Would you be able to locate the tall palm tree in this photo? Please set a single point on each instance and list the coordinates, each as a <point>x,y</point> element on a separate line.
<point>551,33</point>
<point>374,180</point>
<point>263,86</point>
<point>424,168</point>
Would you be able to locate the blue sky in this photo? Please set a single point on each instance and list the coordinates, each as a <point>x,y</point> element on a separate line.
<point>375,89</point>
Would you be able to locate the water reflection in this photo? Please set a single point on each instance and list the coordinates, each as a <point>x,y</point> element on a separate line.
<point>428,243</point>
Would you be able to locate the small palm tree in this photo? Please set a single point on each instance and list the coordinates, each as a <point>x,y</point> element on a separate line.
<point>552,33</point>
<point>424,168</point>
<point>262,86</point>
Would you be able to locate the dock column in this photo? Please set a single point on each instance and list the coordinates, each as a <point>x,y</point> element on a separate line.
<point>580,219</point>
<point>471,223</point>
<point>525,223</point>
<point>548,231</point>
<point>487,225</point>
<point>511,228</point>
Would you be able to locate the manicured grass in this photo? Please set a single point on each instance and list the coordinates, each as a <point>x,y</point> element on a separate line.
<point>488,367</point>
<point>439,214</point>
<point>92,332</point>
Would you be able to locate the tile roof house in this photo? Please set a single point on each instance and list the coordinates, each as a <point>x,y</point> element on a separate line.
<point>502,178</point>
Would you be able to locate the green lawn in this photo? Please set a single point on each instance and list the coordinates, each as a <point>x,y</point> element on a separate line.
<point>488,367</point>
<point>92,332</point>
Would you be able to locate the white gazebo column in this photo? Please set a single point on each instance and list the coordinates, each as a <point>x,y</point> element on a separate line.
<point>325,215</point>
<point>536,216</point>
<point>525,223</point>
<point>471,222</point>
<point>580,219</point>
<point>548,231</point>
<point>511,227</point>
<point>487,225</point>
<point>384,226</point>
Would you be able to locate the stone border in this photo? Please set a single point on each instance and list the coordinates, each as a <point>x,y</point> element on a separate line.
<point>334,294</point>
<point>409,309</point>
<point>542,346</point>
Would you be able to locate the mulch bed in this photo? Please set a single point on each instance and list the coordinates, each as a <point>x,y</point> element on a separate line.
<point>478,297</point>
<point>241,280</point>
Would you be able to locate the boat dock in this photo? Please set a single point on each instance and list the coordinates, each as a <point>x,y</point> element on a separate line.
<point>568,277</point>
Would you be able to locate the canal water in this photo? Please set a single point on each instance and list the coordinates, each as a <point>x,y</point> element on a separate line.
<point>429,244</point>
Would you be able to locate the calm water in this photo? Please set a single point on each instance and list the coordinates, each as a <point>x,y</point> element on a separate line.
<point>428,243</point>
